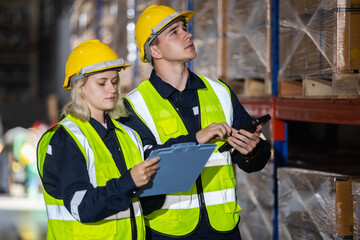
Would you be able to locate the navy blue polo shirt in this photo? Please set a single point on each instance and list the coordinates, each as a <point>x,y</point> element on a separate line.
<point>186,104</point>
<point>65,173</point>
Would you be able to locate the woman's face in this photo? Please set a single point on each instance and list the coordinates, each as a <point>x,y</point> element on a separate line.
<point>100,92</point>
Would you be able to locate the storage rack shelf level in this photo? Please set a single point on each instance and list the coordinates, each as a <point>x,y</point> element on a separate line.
<point>336,111</point>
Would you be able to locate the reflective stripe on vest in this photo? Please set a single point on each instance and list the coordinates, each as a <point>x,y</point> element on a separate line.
<point>90,161</point>
<point>218,175</point>
<point>75,202</point>
<point>218,159</point>
<point>223,96</point>
<point>134,137</point>
<point>191,201</point>
<point>56,212</point>
<point>138,102</point>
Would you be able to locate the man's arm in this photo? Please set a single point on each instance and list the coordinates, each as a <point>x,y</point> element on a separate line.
<point>257,159</point>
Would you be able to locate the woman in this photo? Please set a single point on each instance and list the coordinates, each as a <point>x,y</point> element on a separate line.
<point>90,164</point>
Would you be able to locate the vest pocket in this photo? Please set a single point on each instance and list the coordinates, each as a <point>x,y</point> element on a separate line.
<point>168,126</point>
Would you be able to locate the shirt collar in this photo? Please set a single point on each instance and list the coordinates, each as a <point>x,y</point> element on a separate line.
<point>100,129</point>
<point>165,90</point>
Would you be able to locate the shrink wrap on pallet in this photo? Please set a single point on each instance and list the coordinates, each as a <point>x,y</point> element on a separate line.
<point>256,199</point>
<point>314,204</point>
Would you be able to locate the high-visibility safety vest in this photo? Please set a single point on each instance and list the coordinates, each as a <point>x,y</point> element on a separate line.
<point>180,212</point>
<point>101,167</point>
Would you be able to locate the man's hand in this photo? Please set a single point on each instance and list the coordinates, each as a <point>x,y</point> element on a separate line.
<point>243,141</point>
<point>142,172</point>
<point>213,132</point>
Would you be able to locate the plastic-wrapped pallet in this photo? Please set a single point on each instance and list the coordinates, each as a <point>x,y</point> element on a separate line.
<point>314,204</point>
<point>248,39</point>
<point>235,46</point>
<point>205,38</point>
<point>256,199</point>
<point>320,45</point>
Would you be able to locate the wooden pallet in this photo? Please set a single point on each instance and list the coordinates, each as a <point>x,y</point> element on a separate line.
<point>250,87</point>
<point>341,86</point>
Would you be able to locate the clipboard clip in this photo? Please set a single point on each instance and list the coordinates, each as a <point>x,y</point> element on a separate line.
<point>183,147</point>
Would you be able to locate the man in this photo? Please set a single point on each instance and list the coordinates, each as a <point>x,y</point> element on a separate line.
<point>175,105</point>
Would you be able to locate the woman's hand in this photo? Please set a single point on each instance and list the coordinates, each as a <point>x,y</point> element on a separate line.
<point>142,172</point>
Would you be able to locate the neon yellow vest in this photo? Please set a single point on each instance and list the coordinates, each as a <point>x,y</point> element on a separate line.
<point>180,213</point>
<point>101,168</point>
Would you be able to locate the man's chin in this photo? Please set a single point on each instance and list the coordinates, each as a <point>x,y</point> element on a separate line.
<point>191,57</point>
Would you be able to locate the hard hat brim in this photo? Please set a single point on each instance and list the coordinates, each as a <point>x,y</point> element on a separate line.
<point>93,69</point>
<point>118,68</point>
<point>187,14</point>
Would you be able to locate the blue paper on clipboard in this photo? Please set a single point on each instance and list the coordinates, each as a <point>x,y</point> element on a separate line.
<point>180,165</point>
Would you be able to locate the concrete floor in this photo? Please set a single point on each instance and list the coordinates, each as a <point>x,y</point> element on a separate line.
<point>22,218</point>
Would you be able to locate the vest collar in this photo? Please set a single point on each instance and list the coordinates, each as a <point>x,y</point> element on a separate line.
<point>165,90</point>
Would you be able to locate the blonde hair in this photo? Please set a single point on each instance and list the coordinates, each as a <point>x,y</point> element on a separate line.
<point>78,108</point>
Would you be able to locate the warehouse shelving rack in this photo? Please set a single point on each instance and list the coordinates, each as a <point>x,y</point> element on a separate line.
<point>332,110</point>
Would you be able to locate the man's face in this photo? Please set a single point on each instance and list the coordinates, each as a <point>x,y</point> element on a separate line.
<point>175,44</point>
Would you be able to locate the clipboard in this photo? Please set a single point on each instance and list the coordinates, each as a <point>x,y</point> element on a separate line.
<point>180,166</point>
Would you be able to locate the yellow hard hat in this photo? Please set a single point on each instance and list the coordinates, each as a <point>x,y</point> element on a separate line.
<point>150,24</point>
<point>89,57</point>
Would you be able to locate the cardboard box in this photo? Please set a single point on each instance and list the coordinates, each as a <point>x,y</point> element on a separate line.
<point>344,209</point>
<point>347,41</point>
